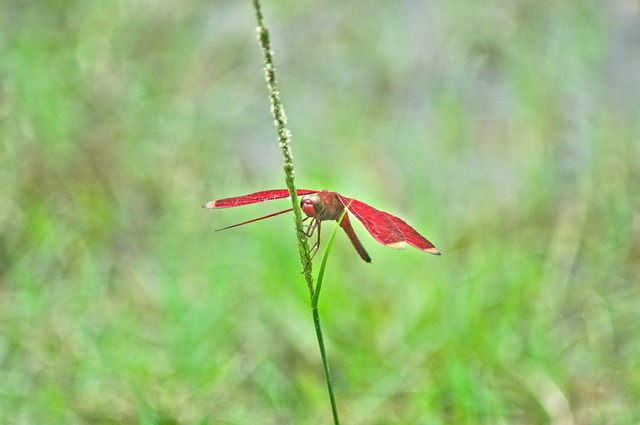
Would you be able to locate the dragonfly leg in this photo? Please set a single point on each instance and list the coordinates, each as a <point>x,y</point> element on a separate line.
<point>308,229</point>
<point>314,249</point>
<point>312,227</point>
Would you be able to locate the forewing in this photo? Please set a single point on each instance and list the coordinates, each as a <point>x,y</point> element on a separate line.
<point>253,198</point>
<point>378,223</point>
<point>412,236</point>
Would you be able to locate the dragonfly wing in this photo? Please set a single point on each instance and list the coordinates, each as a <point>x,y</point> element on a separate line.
<point>253,198</point>
<point>378,223</point>
<point>412,236</point>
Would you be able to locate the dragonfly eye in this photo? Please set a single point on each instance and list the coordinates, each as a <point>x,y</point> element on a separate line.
<point>311,205</point>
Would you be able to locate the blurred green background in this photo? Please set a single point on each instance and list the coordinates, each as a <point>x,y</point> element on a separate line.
<point>506,132</point>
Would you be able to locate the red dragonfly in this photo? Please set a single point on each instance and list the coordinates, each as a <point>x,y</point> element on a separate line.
<point>323,205</point>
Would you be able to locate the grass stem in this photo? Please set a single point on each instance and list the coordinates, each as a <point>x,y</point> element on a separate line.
<point>284,138</point>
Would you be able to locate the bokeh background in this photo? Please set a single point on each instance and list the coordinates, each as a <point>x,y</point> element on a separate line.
<point>508,132</point>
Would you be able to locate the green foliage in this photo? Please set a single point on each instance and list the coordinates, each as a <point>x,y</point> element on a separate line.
<point>506,133</point>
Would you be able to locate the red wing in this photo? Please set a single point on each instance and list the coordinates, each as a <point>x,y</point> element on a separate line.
<point>377,223</point>
<point>252,198</point>
<point>386,228</point>
<point>412,236</point>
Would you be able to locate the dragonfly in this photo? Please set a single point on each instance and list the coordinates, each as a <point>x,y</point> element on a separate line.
<point>320,206</point>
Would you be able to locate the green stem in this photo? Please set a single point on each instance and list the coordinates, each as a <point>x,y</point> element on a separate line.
<point>316,321</point>
<point>325,364</point>
<point>284,138</point>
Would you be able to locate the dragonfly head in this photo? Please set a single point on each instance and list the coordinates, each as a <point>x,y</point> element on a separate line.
<point>311,205</point>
